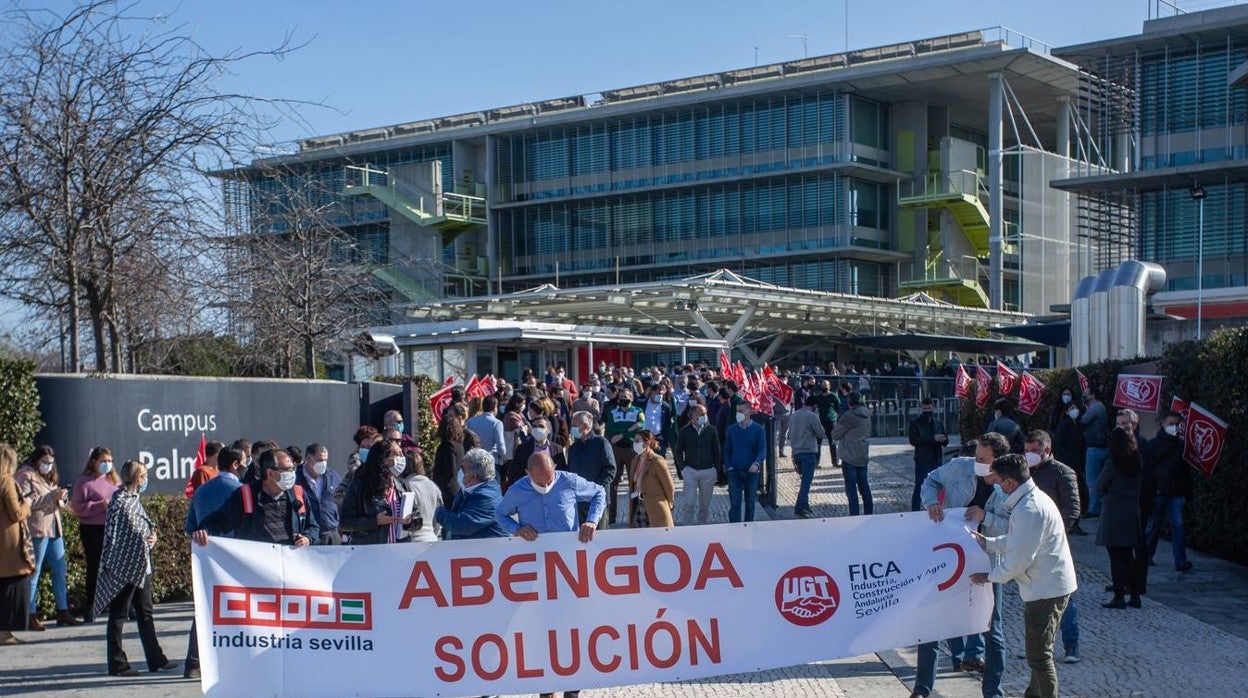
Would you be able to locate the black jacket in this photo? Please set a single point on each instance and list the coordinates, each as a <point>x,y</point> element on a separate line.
<point>699,451</point>
<point>360,510</point>
<point>593,459</point>
<point>923,431</point>
<point>520,460</point>
<point>1164,465</point>
<point>1067,440</point>
<point>446,460</point>
<point>233,519</point>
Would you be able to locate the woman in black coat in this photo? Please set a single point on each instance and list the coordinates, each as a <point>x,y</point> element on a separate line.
<point>370,510</point>
<point>1068,445</point>
<point>1120,529</point>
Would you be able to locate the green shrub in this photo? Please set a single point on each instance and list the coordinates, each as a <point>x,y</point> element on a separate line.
<point>19,410</point>
<point>171,559</point>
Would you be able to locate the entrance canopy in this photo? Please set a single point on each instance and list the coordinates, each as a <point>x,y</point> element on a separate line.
<point>728,308</point>
<point>923,343</point>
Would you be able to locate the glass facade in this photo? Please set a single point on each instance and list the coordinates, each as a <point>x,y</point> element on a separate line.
<point>1170,227</point>
<point>1187,109</point>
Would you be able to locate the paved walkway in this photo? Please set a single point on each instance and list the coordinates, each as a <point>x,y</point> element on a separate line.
<point>1190,639</point>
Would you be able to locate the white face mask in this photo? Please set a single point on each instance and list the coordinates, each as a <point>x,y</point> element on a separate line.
<point>740,417</point>
<point>539,434</point>
<point>542,489</point>
<point>638,447</point>
<point>46,468</point>
<point>320,467</point>
<point>286,479</point>
<point>400,464</point>
<point>982,469</point>
<point>1073,413</point>
<point>1033,459</point>
<point>1066,399</point>
<point>1172,429</point>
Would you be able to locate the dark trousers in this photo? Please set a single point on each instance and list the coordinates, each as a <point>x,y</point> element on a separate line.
<point>92,547</point>
<point>856,484</point>
<point>827,434</point>
<point>192,649</point>
<point>117,612</point>
<point>1124,568</point>
<point>920,474</point>
<point>623,456</point>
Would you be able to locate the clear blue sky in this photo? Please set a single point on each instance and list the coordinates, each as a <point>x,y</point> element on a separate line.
<point>389,62</point>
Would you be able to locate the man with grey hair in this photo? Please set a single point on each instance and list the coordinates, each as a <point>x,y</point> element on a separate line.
<point>591,457</point>
<point>472,513</point>
<point>394,420</point>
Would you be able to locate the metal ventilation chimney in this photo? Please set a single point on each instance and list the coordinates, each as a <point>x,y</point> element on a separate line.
<point>1098,317</point>
<point>1128,302</point>
<point>1079,348</point>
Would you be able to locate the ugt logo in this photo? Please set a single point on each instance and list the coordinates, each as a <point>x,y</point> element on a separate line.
<point>292,608</point>
<point>807,596</point>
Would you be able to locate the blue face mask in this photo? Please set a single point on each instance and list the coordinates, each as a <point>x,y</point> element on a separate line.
<point>999,490</point>
<point>459,478</point>
<point>143,487</point>
<point>576,432</point>
<point>363,454</point>
<point>402,427</point>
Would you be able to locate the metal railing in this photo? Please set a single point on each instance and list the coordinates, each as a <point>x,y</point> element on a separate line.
<point>943,184</point>
<point>452,205</point>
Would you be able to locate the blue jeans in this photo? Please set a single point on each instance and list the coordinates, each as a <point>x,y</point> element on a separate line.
<point>855,484</point>
<point>1172,508</point>
<point>959,647</point>
<point>742,484</point>
<point>1094,460</point>
<point>994,647</point>
<point>53,549</point>
<point>1070,625</point>
<point>967,648</point>
<point>806,464</point>
<point>920,474</point>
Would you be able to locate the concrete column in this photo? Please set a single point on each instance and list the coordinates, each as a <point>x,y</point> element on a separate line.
<point>1063,126</point>
<point>491,228</point>
<point>996,181</point>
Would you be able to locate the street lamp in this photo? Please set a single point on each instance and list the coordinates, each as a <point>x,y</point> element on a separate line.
<point>1198,195</point>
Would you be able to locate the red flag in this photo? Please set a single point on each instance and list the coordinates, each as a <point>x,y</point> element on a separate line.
<point>439,401</point>
<point>725,368</point>
<point>1204,435</point>
<point>1006,378</point>
<point>1138,392</point>
<point>200,459</point>
<point>1178,404</point>
<point>982,380</point>
<point>781,390</point>
<point>450,380</point>
<point>1083,382</point>
<point>489,385</point>
<point>962,383</point>
<point>473,389</point>
<point>1030,392</point>
<point>763,394</point>
<point>738,370</point>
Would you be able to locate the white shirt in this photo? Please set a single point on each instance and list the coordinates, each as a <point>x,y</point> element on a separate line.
<point>1034,552</point>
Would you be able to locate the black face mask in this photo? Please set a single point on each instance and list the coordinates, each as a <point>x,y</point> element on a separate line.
<point>623,402</point>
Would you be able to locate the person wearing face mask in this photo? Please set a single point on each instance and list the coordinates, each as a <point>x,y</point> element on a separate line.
<point>269,509</point>
<point>1121,530</point>
<point>126,578</point>
<point>92,492</point>
<point>591,457</point>
<point>1068,446</point>
<point>544,501</point>
<point>428,498</point>
<point>540,440</point>
<point>660,417</point>
<point>1032,552</point>
<point>928,437</point>
<point>988,510</point>
<point>319,482</point>
<point>651,492</point>
<point>39,482</point>
<point>471,513</point>
<point>1057,480</point>
<point>1095,424</point>
<point>698,462</point>
<point>745,451</point>
<point>1174,485</point>
<point>806,432</point>
<point>623,421</point>
<point>373,506</point>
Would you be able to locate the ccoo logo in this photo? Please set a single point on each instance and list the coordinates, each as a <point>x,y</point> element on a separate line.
<point>807,596</point>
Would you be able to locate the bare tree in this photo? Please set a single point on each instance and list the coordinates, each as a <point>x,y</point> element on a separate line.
<point>104,119</point>
<point>309,282</point>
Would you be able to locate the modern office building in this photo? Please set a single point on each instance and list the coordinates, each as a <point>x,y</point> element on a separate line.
<point>1168,117</point>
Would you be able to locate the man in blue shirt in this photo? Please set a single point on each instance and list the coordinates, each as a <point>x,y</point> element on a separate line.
<point>544,501</point>
<point>489,428</point>
<point>745,450</point>
<point>207,499</point>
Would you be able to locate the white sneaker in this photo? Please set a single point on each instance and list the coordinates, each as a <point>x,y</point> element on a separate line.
<point>1072,655</point>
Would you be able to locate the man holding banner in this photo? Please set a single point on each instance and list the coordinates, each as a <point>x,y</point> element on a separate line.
<point>1035,555</point>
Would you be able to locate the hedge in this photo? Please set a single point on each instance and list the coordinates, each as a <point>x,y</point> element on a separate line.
<point>171,558</point>
<point>19,410</point>
<point>1210,372</point>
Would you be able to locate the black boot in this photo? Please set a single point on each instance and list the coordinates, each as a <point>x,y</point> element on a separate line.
<point>1116,602</point>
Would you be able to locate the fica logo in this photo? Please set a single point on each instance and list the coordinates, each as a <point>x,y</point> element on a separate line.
<point>292,608</point>
<point>807,596</point>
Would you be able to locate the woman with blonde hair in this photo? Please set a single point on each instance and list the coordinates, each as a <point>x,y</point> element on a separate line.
<point>651,491</point>
<point>17,559</point>
<point>92,492</point>
<point>39,482</point>
<point>126,573</point>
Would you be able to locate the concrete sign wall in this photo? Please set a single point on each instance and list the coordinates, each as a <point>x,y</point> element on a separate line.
<point>159,419</point>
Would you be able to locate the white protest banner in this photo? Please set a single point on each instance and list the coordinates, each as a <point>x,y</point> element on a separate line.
<point>633,606</point>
